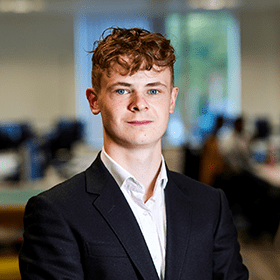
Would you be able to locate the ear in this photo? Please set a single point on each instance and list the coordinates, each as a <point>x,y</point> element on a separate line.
<point>92,100</point>
<point>173,98</point>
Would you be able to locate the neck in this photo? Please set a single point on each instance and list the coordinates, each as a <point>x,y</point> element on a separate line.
<point>144,164</point>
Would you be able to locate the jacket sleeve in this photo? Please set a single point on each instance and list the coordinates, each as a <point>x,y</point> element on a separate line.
<point>49,249</point>
<point>227,261</point>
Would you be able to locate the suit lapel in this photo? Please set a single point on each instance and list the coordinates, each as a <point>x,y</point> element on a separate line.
<point>112,204</point>
<point>178,215</point>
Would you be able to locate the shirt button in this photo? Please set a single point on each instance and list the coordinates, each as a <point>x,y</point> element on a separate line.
<point>145,213</point>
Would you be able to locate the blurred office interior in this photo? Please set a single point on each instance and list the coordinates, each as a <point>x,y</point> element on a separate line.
<point>227,64</point>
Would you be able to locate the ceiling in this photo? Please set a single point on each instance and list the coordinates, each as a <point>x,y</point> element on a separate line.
<point>147,6</point>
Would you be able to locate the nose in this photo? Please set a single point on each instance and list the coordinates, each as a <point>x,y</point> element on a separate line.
<point>138,103</point>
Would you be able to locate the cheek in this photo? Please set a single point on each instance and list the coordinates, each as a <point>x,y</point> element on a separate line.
<point>110,115</point>
<point>165,109</point>
<point>106,117</point>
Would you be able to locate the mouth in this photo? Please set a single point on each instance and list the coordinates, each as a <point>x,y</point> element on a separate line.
<point>139,123</point>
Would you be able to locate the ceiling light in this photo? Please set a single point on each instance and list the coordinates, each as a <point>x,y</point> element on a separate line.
<point>214,4</point>
<point>21,6</point>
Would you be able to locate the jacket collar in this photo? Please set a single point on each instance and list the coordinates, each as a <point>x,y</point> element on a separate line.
<point>111,203</point>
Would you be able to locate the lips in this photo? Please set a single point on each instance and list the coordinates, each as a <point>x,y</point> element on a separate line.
<point>136,123</point>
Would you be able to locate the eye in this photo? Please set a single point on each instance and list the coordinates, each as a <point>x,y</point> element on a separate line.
<point>153,91</point>
<point>121,91</point>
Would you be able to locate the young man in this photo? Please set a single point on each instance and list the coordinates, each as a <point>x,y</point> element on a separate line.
<point>127,216</point>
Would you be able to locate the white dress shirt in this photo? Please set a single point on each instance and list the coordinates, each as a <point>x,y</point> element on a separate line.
<point>151,215</point>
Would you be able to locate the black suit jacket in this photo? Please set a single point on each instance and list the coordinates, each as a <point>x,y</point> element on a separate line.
<point>85,229</point>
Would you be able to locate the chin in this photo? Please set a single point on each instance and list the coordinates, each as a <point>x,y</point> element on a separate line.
<point>143,144</point>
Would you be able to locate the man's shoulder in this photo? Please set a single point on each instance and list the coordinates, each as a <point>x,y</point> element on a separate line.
<point>192,187</point>
<point>77,182</point>
<point>79,185</point>
<point>70,187</point>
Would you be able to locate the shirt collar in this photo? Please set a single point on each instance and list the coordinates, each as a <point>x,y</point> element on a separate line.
<point>121,175</point>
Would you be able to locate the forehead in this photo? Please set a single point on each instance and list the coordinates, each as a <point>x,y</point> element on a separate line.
<point>117,72</point>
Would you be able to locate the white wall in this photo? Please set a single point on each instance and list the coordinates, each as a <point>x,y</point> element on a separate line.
<point>260,64</point>
<point>36,67</point>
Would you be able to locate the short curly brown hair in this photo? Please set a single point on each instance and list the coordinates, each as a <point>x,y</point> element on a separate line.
<point>143,49</point>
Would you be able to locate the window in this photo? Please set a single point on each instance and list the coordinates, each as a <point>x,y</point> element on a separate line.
<point>207,70</point>
<point>87,29</point>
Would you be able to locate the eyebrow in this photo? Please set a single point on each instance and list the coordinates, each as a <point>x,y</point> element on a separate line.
<point>155,84</point>
<point>119,84</point>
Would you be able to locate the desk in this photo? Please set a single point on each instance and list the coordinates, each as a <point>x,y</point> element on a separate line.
<point>12,204</point>
<point>13,198</point>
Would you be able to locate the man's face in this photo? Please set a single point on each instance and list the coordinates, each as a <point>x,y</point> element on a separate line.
<point>134,109</point>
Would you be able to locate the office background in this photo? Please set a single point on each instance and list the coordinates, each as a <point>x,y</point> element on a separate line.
<point>37,59</point>
<point>43,77</point>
